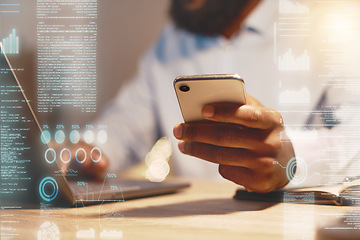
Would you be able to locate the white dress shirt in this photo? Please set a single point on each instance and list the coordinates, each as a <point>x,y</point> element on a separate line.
<point>146,108</point>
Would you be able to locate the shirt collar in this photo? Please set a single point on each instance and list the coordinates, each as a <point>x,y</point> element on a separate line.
<point>260,22</point>
<point>262,18</point>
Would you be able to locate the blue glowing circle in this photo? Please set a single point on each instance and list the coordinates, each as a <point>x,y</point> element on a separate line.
<point>45,137</point>
<point>46,155</point>
<point>91,154</point>
<point>59,136</point>
<point>76,155</point>
<point>45,196</point>
<point>44,192</point>
<point>299,166</point>
<point>61,153</point>
<point>74,136</point>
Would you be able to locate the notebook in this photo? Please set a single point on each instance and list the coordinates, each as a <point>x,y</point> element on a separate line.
<point>340,195</point>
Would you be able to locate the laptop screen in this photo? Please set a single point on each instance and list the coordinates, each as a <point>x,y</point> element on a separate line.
<point>28,167</point>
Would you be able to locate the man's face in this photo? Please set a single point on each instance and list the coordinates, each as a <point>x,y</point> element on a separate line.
<point>206,17</point>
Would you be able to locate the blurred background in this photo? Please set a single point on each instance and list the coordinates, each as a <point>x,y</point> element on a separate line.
<point>125,30</point>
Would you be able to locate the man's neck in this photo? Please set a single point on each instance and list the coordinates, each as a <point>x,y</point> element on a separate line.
<point>236,25</point>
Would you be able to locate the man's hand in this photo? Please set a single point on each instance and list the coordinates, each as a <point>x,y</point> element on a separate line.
<point>243,140</point>
<point>85,159</point>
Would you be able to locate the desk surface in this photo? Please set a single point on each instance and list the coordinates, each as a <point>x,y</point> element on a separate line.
<point>204,211</point>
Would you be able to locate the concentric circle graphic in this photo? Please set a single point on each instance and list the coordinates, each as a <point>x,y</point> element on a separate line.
<point>48,189</point>
<point>76,155</point>
<point>61,155</point>
<point>48,231</point>
<point>91,154</point>
<point>53,155</point>
<point>299,166</point>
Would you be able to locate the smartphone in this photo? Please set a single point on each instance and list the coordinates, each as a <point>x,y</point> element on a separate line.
<point>193,92</point>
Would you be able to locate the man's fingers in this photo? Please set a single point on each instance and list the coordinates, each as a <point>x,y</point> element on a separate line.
<point>224,155</point>
<point>226,135</point>
<point>247,177</point>
<point>250,116</point>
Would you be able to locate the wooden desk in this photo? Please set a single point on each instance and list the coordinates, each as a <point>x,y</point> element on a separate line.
<point>205,211</point>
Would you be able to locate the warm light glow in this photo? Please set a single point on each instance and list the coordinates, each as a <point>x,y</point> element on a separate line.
<point>341,26</point>
<point>157,161</point>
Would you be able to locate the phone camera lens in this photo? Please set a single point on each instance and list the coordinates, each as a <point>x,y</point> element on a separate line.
<point>184,88</point>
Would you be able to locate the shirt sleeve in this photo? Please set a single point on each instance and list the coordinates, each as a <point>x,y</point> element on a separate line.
<point>131,121</point>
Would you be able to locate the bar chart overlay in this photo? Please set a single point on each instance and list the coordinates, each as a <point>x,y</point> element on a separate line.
<point>11,43</point>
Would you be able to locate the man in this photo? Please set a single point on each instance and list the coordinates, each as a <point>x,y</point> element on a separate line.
<point>247,144</point>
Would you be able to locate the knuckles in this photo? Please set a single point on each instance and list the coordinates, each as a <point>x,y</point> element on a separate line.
<point>259,180</point>
<point>223,155</point>
<point>254,114</point>
<point>189,132</point>
<point>228,136</point>
<point>273,146</point>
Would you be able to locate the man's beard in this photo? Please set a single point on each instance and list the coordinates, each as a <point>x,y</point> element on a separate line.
<point>211,19</point>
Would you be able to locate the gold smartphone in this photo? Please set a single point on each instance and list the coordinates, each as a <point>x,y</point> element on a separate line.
<point>195,91</point>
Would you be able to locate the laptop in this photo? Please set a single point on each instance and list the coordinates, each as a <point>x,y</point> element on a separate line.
<point>27,175</point>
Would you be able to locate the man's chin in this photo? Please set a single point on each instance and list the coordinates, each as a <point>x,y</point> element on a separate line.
<point>210,19</point>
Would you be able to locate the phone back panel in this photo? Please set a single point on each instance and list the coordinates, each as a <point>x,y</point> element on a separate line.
<point>205,89</point>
